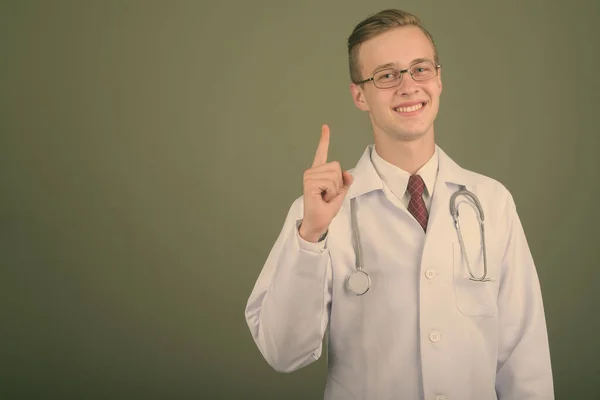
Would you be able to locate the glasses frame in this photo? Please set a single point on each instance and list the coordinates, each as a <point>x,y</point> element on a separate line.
<point>401,73</point>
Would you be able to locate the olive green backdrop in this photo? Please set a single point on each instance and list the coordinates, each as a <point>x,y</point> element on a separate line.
<point>149,152</point>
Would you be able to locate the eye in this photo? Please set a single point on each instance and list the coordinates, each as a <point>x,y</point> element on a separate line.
<point>422,68</point>
<point>389,75</point>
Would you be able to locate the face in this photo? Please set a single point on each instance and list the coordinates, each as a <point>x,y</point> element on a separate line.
<point>405,112</point>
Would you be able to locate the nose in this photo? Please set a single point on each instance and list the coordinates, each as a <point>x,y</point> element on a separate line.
<point>407,86</point>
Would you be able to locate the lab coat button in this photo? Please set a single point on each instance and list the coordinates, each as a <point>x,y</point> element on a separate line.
<point>430,273</point>
<point>435,336</point>
<point>440,397</point>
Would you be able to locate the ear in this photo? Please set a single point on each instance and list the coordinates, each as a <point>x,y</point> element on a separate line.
<point>358,96</point>
<point>439,79</point>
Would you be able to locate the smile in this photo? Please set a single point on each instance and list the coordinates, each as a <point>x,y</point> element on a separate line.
<point>409,109</point>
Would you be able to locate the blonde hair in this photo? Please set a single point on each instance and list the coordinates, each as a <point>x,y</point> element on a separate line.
<point>375,25</point>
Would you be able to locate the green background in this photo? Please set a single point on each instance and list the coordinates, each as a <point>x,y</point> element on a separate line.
<point>150,151</point>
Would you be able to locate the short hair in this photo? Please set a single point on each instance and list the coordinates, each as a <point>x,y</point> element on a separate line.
<point>375,25</point>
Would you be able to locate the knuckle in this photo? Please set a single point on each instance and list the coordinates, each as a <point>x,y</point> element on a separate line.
<point>334,186</point>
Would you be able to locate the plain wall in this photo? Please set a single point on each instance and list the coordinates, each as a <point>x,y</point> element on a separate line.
<point>150,150</point>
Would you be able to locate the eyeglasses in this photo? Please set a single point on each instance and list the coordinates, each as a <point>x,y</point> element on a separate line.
<point>391,77</point>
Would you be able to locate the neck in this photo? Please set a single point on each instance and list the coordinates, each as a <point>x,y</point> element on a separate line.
<point>409,155</point>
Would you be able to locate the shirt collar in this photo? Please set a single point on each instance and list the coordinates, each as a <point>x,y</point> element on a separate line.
<point>397,179</point>
<point>366,178</point>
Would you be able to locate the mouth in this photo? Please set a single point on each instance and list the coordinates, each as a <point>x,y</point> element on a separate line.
<point>410,109</point>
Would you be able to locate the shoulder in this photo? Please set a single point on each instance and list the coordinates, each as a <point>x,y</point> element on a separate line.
<point>475,181</point>
<point>488,189</point>
<point>486,182</point>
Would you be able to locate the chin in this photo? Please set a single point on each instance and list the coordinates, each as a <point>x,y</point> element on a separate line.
<point>409,135</point>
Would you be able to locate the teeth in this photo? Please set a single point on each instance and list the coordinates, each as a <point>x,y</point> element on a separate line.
<point>410,109</point>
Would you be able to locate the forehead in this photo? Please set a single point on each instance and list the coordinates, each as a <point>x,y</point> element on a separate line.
<point>398,46</point>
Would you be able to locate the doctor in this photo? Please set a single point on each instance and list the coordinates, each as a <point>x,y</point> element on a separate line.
<point>437,310</point>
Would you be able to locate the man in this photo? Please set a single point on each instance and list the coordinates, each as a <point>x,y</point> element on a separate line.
<point>440,310</point>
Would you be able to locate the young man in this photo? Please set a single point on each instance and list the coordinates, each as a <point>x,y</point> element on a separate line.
<point>417,305</point>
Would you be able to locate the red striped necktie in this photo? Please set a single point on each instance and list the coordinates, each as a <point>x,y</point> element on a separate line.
<point>416,206</point>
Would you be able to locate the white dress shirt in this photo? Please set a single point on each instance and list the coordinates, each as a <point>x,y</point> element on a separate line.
<point>396,179</point>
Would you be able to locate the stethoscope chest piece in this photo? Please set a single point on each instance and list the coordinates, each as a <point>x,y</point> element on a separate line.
<point>359,282</point>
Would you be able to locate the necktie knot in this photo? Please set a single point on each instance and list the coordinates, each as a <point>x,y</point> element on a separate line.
<point>416,186</point>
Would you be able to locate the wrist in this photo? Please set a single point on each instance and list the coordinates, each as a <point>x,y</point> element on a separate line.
<point>311,235</point>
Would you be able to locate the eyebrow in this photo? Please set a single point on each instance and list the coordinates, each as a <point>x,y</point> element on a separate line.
<point>394,65</point>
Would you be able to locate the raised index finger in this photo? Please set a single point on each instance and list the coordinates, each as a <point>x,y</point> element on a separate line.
<point>323,148</point>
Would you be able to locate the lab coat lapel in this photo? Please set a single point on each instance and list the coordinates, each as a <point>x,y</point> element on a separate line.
<point>365,176</point>
<point>440,227</point>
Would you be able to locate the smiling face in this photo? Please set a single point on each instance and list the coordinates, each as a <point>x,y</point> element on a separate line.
<point>405,112</point>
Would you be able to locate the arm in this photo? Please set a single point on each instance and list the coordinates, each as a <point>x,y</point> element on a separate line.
<point>288,310</point>
<point>524,368</point>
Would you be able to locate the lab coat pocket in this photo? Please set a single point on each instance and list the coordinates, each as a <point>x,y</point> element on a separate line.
<point>476,298</point>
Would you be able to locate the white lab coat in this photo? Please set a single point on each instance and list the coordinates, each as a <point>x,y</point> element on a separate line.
<point>423,330</point>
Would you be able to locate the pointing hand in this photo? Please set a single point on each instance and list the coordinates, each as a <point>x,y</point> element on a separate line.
<point>325,187</point>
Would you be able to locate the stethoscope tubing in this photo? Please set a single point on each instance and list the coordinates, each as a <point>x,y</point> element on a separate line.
<point>363,278</point>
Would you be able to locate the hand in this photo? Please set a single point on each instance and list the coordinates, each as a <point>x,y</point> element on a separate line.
<point>325,187</point>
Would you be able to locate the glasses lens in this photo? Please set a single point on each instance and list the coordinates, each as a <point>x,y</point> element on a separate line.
<point>423,71</point>
<point>386,78</point>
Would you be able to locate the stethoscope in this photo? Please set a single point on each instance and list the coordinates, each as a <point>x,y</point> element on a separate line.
<point>454,211</point>
<point>359,282</point>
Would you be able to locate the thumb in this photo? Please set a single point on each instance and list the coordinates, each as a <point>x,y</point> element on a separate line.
<point>347,180</point>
